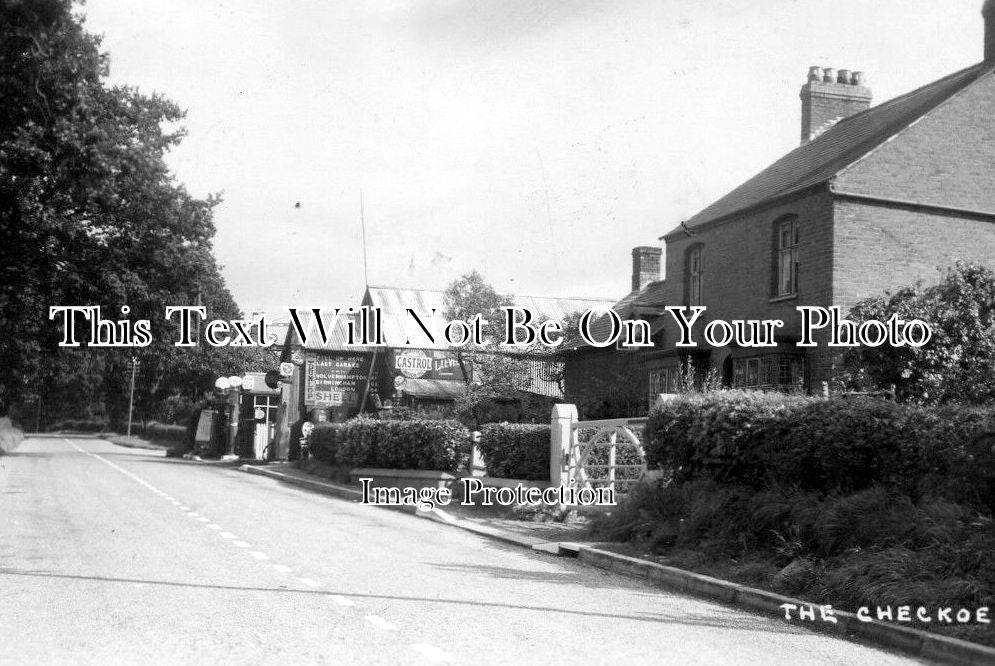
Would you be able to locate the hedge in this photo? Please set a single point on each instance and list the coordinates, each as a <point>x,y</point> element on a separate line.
<point>79,425</point>
<point>516,450</point>
<point>160,432</point>
<point>873,547</point>
<point>413,444</point>
<point>836,445</point>
<point>325,442</point>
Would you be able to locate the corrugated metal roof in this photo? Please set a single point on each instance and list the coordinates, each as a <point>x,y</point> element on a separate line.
<point>400,327</point>
<point>840,146</point>
<point>337,336</point>
<point>436,389</point>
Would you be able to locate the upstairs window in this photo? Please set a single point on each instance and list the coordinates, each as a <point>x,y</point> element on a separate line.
<point>694,273</point>
<point>786,257</point>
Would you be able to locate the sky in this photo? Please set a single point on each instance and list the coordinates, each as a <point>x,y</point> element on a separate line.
<point>536,142</point>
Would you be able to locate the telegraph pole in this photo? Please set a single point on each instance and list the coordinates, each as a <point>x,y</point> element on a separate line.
<point>131,400</point>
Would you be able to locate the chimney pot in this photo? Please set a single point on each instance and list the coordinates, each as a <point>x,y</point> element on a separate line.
<point>814,73</point>
<point>645,266</point>
<point>825,101</point>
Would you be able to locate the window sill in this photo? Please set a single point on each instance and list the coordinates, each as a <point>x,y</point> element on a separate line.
<point>786,297</point>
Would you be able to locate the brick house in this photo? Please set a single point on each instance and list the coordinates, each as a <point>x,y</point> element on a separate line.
<point>874,198</point>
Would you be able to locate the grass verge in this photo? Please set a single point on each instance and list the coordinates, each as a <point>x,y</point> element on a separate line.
<point>871,548</point>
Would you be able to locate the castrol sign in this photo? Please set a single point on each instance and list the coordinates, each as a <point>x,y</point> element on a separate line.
<point>412,363</point>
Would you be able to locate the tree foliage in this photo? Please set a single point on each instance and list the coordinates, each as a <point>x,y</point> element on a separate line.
<point>494,373</point>
<point>957,365</point>
<point>90,214</point>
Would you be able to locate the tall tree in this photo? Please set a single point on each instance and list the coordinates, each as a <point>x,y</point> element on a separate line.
<point>493,374</point>
<point>89,212</point>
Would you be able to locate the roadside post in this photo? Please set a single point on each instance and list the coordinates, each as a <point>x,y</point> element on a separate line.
<point>560,436</point>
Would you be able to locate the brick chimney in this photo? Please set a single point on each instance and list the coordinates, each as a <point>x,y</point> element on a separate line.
<point>988,14</point>
<point>645,266</point>
<point>829,96</point>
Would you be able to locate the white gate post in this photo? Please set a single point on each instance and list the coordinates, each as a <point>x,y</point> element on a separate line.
<point>560,438</point>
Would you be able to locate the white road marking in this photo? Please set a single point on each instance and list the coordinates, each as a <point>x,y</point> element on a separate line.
<point>340,600</point>
<point>431,652</point>
<point>380,623</point>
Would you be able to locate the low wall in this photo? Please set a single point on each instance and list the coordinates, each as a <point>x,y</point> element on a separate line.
<point>402,478</point>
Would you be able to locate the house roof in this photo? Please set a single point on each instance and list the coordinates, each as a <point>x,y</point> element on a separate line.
<point>399,326</point>
<point>435,389</point>
<point>652,296</point>
<point>837,148</point>
<point>647,301</point>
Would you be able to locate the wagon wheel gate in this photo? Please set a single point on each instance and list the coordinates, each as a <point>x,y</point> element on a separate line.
<point>607,454</point>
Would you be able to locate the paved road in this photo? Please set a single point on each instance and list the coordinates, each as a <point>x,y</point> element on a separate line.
<point>111,555</point>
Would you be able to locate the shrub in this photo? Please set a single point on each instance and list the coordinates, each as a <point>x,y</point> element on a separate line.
<point>79,425</point>
<point>719,435</point>
<point>847,501</point>
<point>414,444</point>
<point>837,445</point>
<point>160,432</point>
<point>10,435</point>
<point>516,450</point>
<point>956,364</point>
<point>325,440</point>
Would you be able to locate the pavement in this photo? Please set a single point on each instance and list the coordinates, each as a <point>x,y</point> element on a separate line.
<point>119,555</point>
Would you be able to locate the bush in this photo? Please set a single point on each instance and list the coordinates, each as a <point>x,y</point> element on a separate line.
<point>837,445</point>
<point>325,440</point>
<point>79,425</point>
<point>847,501</point>
<point>516,450</point>
<point>10,435</point>
<point>172,434</point>
<point>414,444</point>
<point>717,435</point>
<point>868,548</point>
<point>956,365</point>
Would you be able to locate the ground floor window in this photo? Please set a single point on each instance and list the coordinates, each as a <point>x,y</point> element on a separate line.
<point>664,380</point>
<point>782,372</point>
<point>269,404</point>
